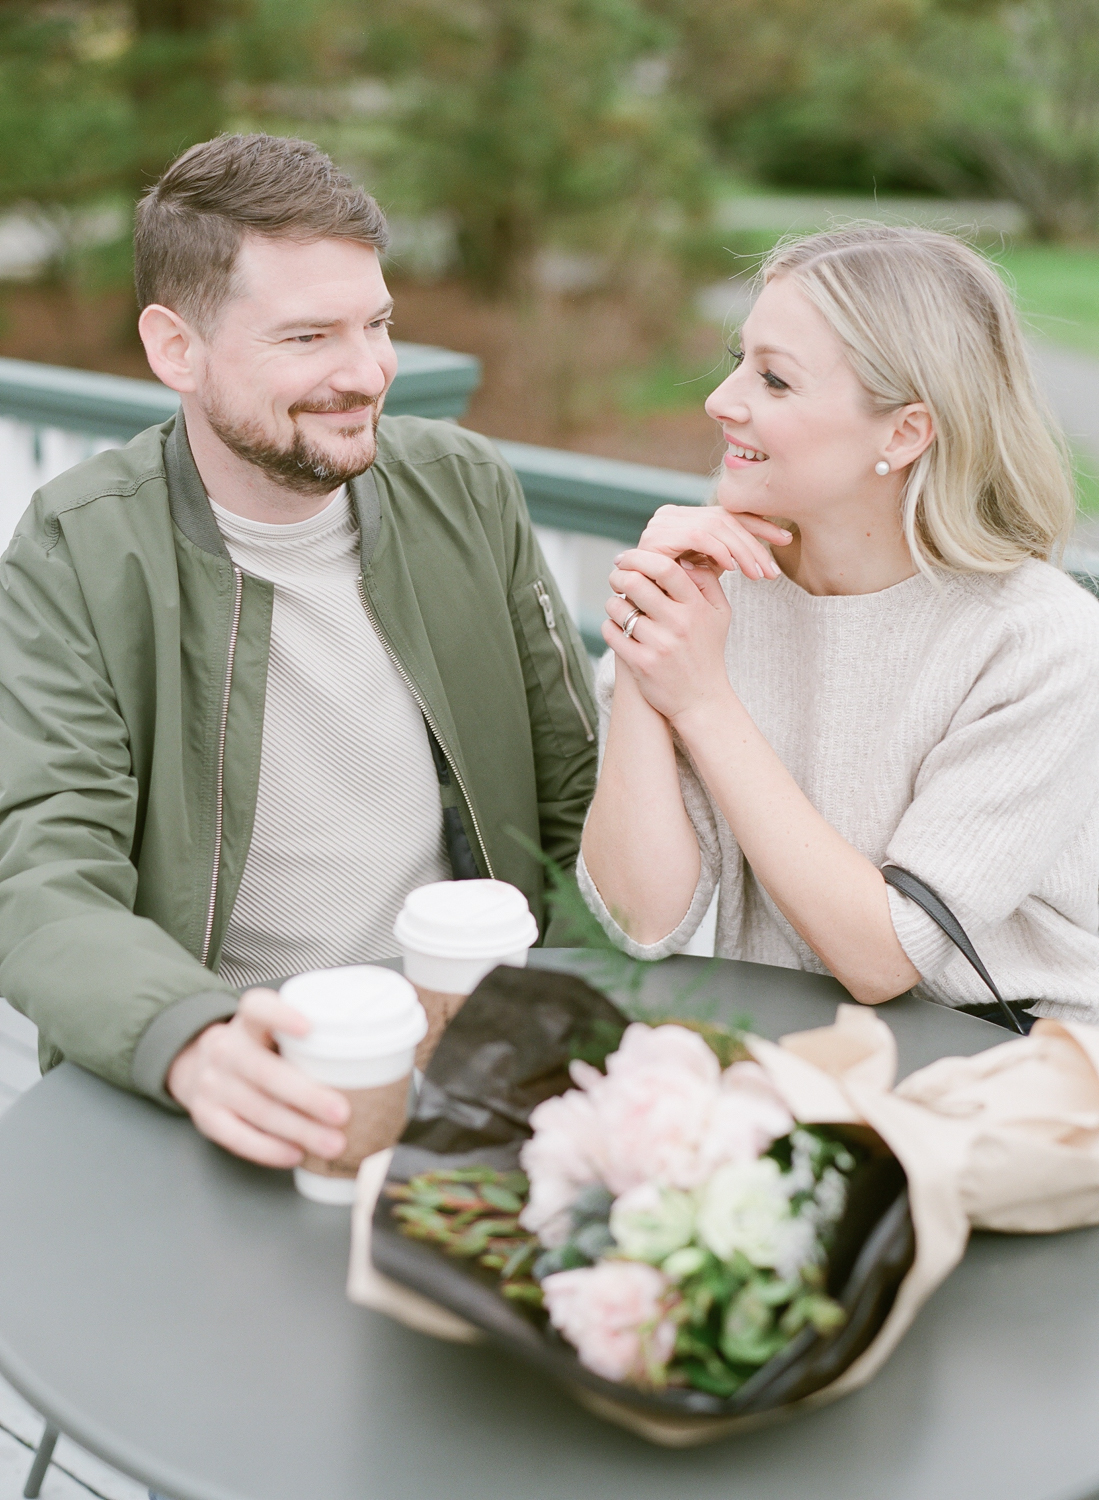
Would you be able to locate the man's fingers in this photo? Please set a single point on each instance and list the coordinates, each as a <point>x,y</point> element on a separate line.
<point>226,1129</point>
<point>258,1110</point>
<point>263,1010</point>
<point>284,1083</point>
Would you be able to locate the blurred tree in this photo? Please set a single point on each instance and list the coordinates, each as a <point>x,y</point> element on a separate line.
<point>1025,100</point>
<point>809,94</point>
<point>514,117</point>
<point>177,66</point>
<point>63,121</point>
<point>96,98</point>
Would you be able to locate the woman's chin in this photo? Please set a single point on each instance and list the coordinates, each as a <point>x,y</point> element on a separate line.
<point>743,496</point>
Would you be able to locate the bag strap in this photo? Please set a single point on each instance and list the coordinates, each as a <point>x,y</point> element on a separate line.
<point>913,887</point>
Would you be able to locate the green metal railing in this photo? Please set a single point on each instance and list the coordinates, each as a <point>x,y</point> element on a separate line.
<point>431,383</point>
<point>568,492</point>
<point>565,491</point>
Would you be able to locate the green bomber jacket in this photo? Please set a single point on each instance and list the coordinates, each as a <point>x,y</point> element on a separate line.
<point>133,664</point>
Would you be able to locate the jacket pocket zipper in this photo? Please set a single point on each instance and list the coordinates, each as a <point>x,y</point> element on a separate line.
<point>234,631</point>
<point>418,699</point>
<point>541,593</point>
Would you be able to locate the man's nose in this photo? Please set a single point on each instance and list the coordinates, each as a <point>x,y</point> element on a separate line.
<point>364,367</point>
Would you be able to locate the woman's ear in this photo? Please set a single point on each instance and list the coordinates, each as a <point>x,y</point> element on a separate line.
<point>913,432</point>
<point>171,347</point>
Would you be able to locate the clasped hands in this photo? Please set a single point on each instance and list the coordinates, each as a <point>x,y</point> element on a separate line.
<point>676,647</point>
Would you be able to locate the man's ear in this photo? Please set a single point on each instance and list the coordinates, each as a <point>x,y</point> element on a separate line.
<point>172,347</point>
<point>913,432</point>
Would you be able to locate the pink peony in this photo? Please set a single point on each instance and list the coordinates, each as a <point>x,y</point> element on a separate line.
<point>664,1113</point>
<point>748,1117</point>
<point>614,1314</point>
<point>558,1162</point>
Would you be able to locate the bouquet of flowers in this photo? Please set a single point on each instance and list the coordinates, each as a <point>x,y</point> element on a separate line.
<point>634,1208</point>
<point>684,1219</point>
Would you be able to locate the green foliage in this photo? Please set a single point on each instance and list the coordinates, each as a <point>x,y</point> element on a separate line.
<point>472,1213</point>
<point>592,125</point>
<point>518,119</point>
<point>96,99</point>
<point>1022,95</point>
<point>64,121</point>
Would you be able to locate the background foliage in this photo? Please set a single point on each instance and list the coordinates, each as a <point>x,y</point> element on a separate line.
<point>587,122</point>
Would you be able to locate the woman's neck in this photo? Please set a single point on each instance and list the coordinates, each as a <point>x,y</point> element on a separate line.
<point>847,555</point>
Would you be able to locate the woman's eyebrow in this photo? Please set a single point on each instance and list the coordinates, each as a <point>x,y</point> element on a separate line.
<point>775,349</point>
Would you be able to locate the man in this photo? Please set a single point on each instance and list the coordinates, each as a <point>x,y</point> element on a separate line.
<point>267,668</point>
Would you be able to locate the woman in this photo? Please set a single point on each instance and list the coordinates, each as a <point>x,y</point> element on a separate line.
<point>910,682</point>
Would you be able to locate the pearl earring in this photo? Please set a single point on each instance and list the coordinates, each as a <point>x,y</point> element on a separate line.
<point>881,467</point>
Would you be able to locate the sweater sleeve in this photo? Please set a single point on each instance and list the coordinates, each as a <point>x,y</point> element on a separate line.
<point>701,813</point>
<point>1002,795</point>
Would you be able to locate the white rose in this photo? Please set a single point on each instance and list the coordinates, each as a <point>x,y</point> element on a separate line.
<point>649,1222</point>
<point>744,1207</point>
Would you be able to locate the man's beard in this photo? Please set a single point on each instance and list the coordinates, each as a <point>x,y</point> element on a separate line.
<point>302,466</point>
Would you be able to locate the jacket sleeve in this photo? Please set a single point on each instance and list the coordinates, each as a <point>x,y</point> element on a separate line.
<point>106,988</point>
<point>560,704</point>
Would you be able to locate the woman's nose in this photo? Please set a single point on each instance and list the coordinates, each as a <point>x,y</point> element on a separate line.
<point>725,404</point>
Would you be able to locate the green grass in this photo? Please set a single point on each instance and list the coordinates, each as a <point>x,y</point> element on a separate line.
<point>1058,292</point>
<point>1087,483</point>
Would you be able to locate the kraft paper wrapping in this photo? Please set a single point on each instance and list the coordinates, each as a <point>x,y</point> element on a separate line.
<point>377,1119</point>
<point>1007,1140</point>
<point>440,1007</point>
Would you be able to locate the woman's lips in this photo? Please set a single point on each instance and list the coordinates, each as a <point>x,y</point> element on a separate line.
<point>734,461</point>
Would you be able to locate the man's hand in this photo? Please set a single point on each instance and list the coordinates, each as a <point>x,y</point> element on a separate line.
<point>244,1096</point>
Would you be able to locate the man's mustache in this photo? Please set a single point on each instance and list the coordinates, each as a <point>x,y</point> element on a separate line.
<point>349,401</point>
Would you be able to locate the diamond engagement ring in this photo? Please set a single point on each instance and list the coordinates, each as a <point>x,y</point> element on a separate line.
<point>631,622</point>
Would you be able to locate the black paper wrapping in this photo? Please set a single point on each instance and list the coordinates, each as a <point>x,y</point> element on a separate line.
<point>506,1051</point>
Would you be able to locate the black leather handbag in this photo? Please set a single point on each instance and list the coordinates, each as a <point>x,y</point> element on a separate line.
<point>1009,1013</point>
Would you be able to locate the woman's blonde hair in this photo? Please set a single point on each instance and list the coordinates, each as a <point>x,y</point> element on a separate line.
<point>926,318</point>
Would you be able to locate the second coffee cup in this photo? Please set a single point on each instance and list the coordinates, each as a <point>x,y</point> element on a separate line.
<point>452,934</point>
<point>366,1023</point>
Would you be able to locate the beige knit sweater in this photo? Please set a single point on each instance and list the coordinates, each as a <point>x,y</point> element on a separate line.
<point>950,727</point>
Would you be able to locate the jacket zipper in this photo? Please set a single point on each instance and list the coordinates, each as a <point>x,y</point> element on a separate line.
<point>234,630</point>
<point>542,595</point>
<point>431,724</point>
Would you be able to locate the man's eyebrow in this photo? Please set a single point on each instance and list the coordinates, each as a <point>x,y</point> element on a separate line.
<point>322,323</point>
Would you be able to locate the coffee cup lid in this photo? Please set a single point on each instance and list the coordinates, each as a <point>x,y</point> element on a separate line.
<point>466,919</point>
<point>357,1012</point>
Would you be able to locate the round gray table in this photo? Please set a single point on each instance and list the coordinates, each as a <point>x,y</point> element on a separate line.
<point>182,1315</point>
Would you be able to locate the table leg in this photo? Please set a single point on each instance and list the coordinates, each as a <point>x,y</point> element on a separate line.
<point>41,1462</point>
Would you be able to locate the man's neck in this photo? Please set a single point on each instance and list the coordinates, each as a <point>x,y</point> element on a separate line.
<point>240,486</point>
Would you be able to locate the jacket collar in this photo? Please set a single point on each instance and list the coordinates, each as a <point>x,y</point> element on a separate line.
<point>190,508</point>
<point>187,500</point>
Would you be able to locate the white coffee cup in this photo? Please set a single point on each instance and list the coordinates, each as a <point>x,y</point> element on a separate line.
<point>366,1023</point>
<point>452,934</point>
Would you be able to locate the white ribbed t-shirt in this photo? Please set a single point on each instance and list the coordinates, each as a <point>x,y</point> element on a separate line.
<point>348,818</point>
<point>949,726</point>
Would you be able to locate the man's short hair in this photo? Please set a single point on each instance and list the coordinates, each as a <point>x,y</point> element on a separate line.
<point>190,224</point>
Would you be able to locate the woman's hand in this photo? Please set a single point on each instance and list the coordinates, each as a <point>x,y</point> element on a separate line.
<point>711,534</point>
<point>676,647</point>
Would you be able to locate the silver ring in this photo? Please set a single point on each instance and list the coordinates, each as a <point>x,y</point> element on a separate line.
<point>631,622</point>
